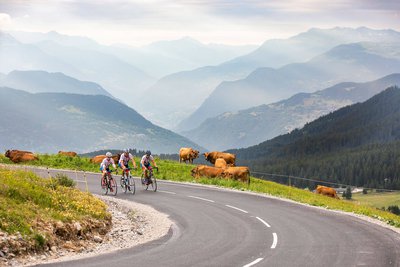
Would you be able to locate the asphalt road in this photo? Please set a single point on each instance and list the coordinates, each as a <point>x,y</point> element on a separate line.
<point>217,227</point>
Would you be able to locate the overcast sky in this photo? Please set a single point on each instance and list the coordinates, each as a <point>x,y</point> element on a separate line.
<point>138,22</point>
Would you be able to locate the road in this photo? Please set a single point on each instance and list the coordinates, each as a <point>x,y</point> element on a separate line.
<point>218,227</point>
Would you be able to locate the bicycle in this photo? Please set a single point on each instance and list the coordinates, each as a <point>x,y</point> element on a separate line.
<point>127,182</point>
<point>150,180</point>
<point>108,183</point>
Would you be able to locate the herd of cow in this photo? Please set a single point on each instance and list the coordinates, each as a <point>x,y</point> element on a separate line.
<point>224,165</point>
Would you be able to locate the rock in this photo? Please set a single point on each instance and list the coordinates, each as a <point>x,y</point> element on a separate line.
<point>139,232</point>
<point>53,249</point>
<point>97,239</point>
<point>2,255</point>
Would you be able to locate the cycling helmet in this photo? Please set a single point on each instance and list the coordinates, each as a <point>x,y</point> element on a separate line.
<point>148,152</point>
<point>126,150</point>
<point>108,155</point>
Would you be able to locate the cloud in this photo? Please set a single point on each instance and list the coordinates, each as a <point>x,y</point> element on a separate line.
<point>245,21</point>
<point>5,21</point>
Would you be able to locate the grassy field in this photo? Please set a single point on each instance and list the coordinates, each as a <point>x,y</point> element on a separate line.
<point>377,200</point>
<point>172,170</point>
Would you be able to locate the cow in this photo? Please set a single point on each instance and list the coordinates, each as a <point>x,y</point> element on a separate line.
<point>17,156</point>
<point>220,163</point>
<point>99,158</point>
<point>68,154</point>
<point>237,173</point>
<point>207,171</point>
<point>212,156</point>
<point>326,191</point>
<point>188,154</point>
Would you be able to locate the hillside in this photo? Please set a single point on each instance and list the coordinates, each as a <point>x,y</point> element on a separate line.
<point>358,145</point>
<point>255,125</point>
<point>42,81</point>
<point>358,62</point>
<point>49,122</point>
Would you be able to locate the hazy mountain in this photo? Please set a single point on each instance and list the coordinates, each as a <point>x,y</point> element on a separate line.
<point>196,85</point>
<point>166,57</point>
<point>42,81</point>
<point>48,122</point>
<point>357,62</point>
<point>255,125</point>
<point>357,144</point>
<point>18,56</point>
<point>122,80</point>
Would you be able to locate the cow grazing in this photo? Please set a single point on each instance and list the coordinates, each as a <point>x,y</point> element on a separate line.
<point>213,156</point>
<point>237,173</point>
<point>326,191</point>
<point>68,154</point>
<point>17,156</point>
<point>99,158</point>
<point>207,171</point>
<point>188,154</point>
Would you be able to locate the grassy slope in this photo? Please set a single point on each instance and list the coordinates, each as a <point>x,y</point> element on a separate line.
<point>30,206</point>
<point>172,170</point>
<point>377,200</point>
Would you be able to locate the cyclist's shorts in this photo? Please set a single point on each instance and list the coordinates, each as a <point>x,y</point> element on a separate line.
<point>101,169</point>
<point>146,165</point>
<point>126,166</point>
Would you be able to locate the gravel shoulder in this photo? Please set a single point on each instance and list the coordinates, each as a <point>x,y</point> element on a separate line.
<point>132,224</point>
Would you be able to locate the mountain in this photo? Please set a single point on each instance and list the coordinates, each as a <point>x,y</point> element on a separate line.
<point>49,122</point>
<point>254,125</point>
<point>357,144</point>
<point>123,80</point>
<point>358,62</point>
<point>196,85</point>
<point>42,81</point>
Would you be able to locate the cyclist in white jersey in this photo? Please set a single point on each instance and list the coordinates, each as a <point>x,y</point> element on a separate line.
<point>145,163</point>
<point>105,164</point>
<point>124,160</point>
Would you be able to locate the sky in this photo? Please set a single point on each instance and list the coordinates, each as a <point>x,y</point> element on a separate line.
<point>139,22</point>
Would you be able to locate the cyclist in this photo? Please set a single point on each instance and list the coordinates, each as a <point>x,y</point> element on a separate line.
<point>124,160</point>
<point>145,164</point>
<point>105,165</point>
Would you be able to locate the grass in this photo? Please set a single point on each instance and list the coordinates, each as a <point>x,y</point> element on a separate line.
<point>28,203</point>
<point>172,170</point>
<point>377,200</point>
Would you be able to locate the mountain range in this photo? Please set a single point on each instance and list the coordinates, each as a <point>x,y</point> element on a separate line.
<point>43,81</point>
<point>356,62</point>
<point>194,86</point>
<point>254,125</point>
<point>49,122</point>
<point>358,144</point>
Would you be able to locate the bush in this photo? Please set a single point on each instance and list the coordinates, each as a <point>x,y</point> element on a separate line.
<point>365,191</point>
<point>64,180</point>
<point>394,209</point>
<point>348,193</point>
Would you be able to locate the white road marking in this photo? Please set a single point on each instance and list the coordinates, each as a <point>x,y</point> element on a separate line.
<point>232,207</point>
<point>253,262</point>
<point>168,192</point>
<point>275,240</point>
<point>264,222</point>
<point>205,199</point>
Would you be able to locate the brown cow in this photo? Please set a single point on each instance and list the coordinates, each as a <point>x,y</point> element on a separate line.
<point>99,158</point>
<point>207,171</point>
<point>220,163</point>
<point>238,173</point>
<point>68,154</point>
<point>188,154</point>
<point>326,191</point>
<point>212,156</point>
<point>17,156</point>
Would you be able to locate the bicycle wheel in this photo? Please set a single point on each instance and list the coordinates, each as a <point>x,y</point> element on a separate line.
<point>153,183</point>
<point>143,180</point>
<point>124,183</point>
<point>131,185</point>
<point>104,186</point>
<point>113,186</point>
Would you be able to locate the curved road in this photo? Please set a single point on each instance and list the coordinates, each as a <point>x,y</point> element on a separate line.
<point>217,227</point>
